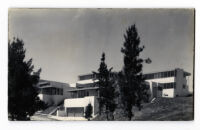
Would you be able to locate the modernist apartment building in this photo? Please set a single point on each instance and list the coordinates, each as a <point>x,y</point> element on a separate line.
<point>168,84</point>
<point>172,83</point>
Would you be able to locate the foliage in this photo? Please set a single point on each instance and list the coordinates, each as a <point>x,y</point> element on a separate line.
<point>88,111</point>
<point>106,85</point>
<point>130,78</point>
<point>22,81</point>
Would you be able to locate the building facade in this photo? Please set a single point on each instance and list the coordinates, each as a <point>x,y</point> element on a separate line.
<point>168,84</point>
<point>172,83</point>
<point>53,93</point>
<point>86,92</point>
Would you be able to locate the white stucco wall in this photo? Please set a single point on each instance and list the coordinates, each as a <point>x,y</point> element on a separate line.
<point>180,81</point>
<point>81,102</point>
<point>168,93</point>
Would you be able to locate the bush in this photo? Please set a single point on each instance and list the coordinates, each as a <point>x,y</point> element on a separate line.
<point>88,111</point>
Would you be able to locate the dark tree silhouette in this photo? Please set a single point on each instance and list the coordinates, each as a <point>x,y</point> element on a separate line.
<point>130,78</point>
<point>88,111</point>
<point>22,81</point>
<point>107,91</point>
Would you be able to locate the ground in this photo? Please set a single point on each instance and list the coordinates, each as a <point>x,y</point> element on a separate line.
<point>162,109</point>
<point>55,118</point>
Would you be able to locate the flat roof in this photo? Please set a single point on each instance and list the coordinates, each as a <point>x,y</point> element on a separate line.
<point>47,86</point>
<point>79,89</point>
<point>166,71</point>
<point>88,81</point>
<point>53,84</point>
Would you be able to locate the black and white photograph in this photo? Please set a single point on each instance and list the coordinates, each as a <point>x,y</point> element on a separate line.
<point>101,64</point>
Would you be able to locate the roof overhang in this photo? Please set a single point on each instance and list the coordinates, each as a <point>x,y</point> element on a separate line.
<point>89,81</point>
<point>80,89</point>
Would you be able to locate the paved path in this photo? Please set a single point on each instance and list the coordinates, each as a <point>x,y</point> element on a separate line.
<point>68,118</point>
<point>42,118</point>
<point>38,117</point>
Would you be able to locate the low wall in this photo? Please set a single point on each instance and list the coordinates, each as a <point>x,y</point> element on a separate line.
<point>61,113</point>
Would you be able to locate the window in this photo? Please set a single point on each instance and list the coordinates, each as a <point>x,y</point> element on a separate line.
<point>155,75</point>
<point>61,91</point>
<point>83,93</point>
<point>87,93</point>
<point>168,74</point>
<point>169,85</point>
<point>172,74</point>
<point>165,74</point>
<point>184,86</point>
<point>57,91</point>
<point>159,75</point>
<point>151,76</point>
<point>162,74</point>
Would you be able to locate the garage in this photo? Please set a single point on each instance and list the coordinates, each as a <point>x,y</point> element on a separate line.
<point>75,112</point>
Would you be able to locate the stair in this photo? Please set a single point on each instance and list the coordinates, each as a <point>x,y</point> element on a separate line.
<point>49,110</point>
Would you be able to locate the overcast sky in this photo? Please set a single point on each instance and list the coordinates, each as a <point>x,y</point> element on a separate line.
<point>68,42</point>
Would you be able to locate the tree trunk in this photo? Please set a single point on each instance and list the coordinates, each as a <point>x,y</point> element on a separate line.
<point>130,114</point>
<point>112,117</point>
<point>107,113</point>
<point>12,117</point>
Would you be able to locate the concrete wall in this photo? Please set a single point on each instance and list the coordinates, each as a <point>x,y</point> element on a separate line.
<point>180,81</point>
<point>82,102</point>
<point>61,113</point>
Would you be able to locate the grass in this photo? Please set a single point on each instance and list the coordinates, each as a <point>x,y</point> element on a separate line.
<point>162,109</point>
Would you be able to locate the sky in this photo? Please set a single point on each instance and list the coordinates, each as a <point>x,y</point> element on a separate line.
<point>66,43</point>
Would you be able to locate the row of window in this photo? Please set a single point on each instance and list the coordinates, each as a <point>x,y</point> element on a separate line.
<point>85,85</point>
<point>160,75</point>
<point>83,93</point>
<point>44,84</point>
<point>92,76</point>
<point>85,77</point>
<point>79,94</point>
<point>52,91</point>
<point>169,85</point>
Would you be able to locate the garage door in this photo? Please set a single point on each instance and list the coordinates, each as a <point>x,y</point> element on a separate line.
<point>75,112</point>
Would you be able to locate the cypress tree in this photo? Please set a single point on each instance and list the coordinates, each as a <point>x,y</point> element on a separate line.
<point>130,78</point>
<point>107,92</point>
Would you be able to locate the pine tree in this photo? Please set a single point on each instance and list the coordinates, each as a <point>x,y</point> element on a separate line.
<point>130,78</point>
<point>22,92</point>
<point>88,111</point>
<point>107,91</point>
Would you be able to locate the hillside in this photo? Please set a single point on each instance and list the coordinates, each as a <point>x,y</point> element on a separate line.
<point>162,109</point>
